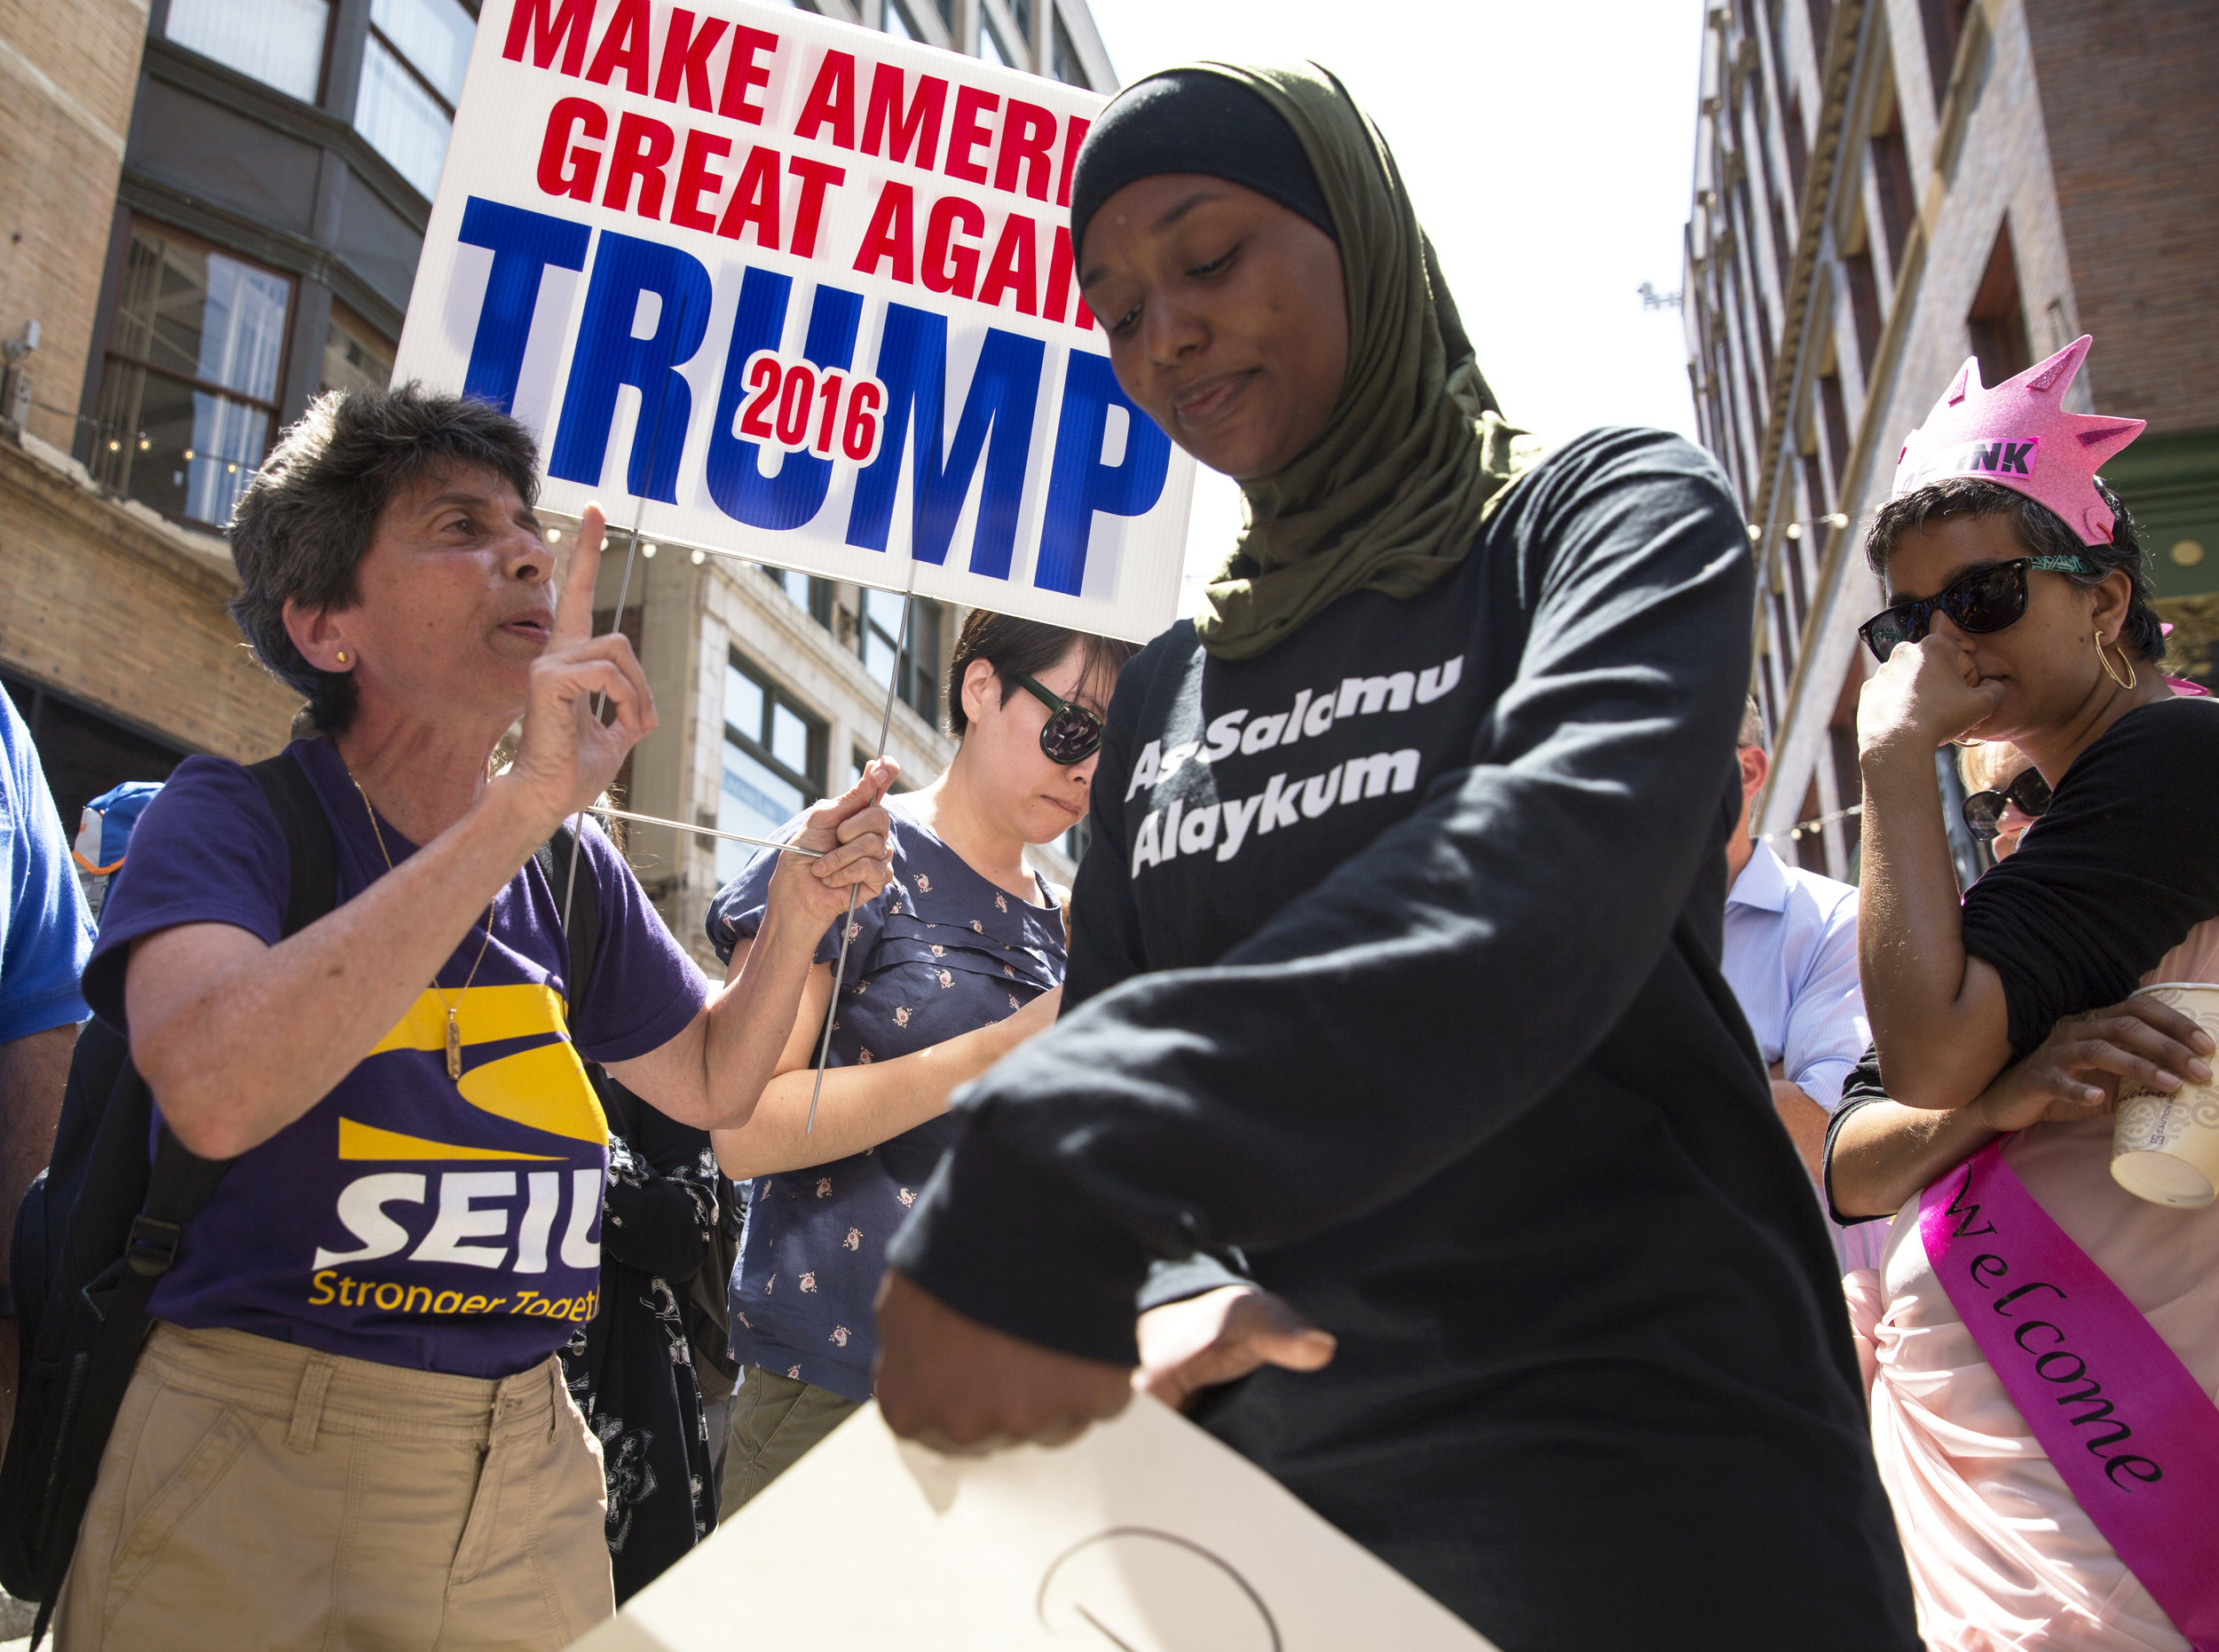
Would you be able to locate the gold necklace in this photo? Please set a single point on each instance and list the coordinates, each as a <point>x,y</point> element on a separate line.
<point>454,1032</point>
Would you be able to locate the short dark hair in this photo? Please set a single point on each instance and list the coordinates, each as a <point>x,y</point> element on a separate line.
<point>2042,531</point>
<point>1017,648</point>
<point>307,519</point>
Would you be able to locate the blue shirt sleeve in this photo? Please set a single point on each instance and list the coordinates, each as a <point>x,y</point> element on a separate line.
<point>45,930</point>
<point>1826,1030</point>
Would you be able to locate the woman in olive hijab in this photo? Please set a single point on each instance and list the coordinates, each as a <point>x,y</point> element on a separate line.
<point>1394,971</point>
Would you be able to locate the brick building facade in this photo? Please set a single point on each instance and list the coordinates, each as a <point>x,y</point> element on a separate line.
<point>1883,187</point>
<point>215,210</point>
<point>113,637</point>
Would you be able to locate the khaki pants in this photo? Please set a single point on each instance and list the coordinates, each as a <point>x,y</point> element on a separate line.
<point>259,1495</point>
<point>775,1421</point>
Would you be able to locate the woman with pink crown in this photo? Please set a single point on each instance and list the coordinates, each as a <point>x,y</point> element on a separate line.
<point>2043,1344</point>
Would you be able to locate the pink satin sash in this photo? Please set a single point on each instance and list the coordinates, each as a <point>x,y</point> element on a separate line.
<point>2132,1434</point>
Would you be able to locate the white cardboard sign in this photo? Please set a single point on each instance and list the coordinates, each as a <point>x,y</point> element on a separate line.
<point>804,293</point>
<point>1145,1534</point>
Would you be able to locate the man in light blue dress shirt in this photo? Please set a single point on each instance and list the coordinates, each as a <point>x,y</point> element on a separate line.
<point>1791,959</point>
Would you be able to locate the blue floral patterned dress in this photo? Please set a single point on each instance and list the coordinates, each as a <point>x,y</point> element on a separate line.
<point>942,951</point>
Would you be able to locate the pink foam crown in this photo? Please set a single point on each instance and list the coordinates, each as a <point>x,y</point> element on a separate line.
<point>2019,436</point>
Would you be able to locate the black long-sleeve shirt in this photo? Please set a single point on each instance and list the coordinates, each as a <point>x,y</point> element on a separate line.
<point>1394,965</point>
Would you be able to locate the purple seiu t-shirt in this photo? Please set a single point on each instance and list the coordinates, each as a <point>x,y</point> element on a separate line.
<point>942,951</point>
<point>406,1219</point>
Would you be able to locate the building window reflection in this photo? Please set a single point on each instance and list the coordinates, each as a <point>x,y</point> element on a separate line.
<point>280,43</point>
<point>774,761</point>
<point>804,592</point>
<point>412,78</point>
<point>911,670</point>
<point>356,356</point>
<point>188,397</point>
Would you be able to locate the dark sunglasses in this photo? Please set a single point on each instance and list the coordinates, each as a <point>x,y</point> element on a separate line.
<point>1983,810</point>
<point>1987,599</point>
<point>1072,733</point>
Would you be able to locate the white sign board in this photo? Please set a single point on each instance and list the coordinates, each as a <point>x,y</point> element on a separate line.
<point>803,292</point>
<point>1145,1534</point>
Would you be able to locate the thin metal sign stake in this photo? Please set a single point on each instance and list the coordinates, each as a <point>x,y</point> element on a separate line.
<point>623,590</point>
<point>847,924</point>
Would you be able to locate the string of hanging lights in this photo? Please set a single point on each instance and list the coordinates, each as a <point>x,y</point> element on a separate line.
<point>1794,530</point>
<point>1809,828</point>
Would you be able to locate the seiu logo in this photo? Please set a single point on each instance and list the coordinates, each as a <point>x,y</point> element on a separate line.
<point>471,1217</point>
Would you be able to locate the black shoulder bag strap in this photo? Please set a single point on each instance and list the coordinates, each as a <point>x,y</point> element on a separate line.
<point>582,939</point>
<point>177,1185</point>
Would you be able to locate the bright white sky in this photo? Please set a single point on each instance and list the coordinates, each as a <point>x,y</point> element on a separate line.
<point>1550,148</point>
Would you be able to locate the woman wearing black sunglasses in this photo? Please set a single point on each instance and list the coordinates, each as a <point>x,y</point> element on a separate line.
<point>2055,651</point>
<point>961,960</point>
<point>2005,1025</point>
<point>2004,794</point>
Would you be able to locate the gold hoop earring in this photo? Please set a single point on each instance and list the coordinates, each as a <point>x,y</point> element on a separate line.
<point>2104,659</point>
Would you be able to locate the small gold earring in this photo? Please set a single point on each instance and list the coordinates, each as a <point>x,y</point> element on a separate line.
<point>2104,659</point>
<point>343,656</point>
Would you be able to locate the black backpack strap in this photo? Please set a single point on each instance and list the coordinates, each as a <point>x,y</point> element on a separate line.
<point>308,843</point>
<point>582,936</point>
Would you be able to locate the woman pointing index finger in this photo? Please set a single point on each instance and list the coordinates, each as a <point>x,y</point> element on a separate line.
<point>1394,960</point>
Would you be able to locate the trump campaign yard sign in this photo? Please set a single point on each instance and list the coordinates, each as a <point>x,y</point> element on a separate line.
<point>801,292</point>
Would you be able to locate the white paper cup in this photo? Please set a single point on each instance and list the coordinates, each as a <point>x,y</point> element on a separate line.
<point>2165,1148</point>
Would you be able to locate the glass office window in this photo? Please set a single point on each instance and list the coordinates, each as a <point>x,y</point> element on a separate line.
<point>188,397</point>
<point>433,35</point>
<point>412,76</point>
<point>774,762</point>
<point>790,739</point>
<point>897,23</point>
<point>280,43</point>
<point>989,47</point>
<point>909,669</point>
<point>804,591</point>
<point>355,355</point>
<point>746,701</point>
